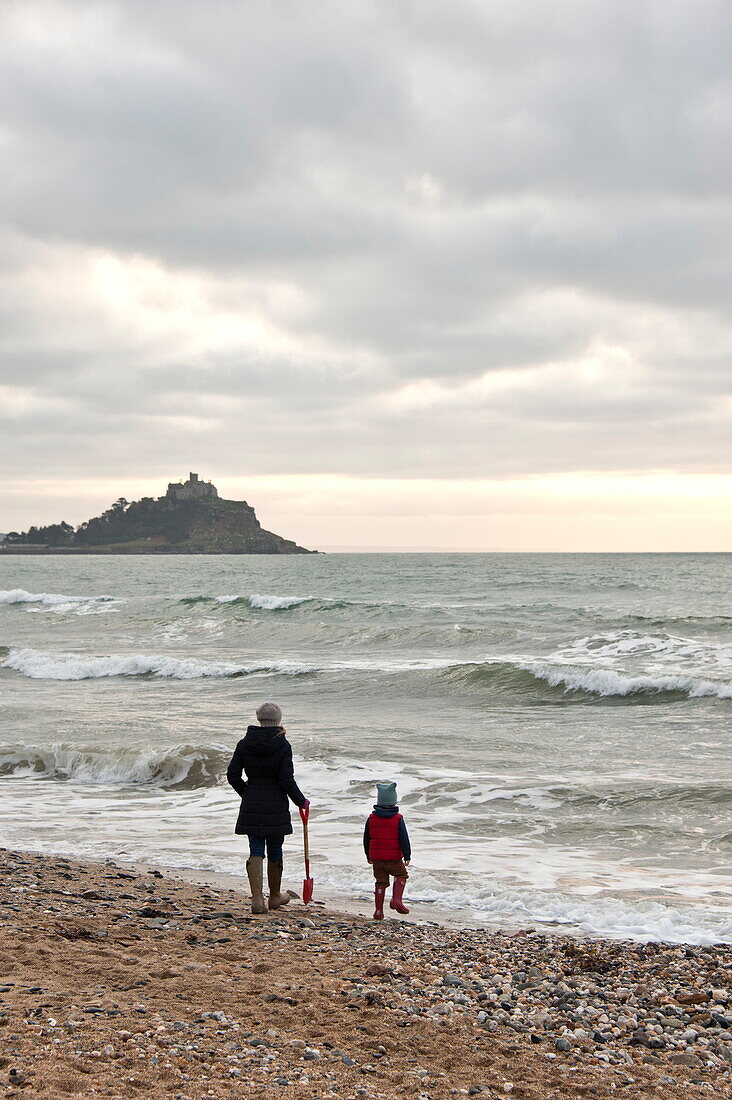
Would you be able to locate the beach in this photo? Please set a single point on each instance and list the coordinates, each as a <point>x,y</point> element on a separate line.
<point>119,981</point>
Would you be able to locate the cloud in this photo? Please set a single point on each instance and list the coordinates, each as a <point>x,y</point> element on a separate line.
<point>383,240</point>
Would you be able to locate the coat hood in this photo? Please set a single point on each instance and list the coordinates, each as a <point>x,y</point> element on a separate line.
<point>264,740</point>
<point>385,811</point>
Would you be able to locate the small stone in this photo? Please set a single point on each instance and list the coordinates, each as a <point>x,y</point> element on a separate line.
<point>562,1044</point>
<point>375,970</point>
<point>692,998</point>
<point>685,1059</point>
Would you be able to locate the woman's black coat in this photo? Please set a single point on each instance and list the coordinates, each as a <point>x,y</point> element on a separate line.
<point>265,755</point>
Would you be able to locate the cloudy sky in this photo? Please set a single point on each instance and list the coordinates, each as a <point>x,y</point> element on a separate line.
<point>403,273</point>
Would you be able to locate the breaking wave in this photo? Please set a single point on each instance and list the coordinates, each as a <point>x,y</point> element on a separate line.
<point>505,675</point>
<point>57,602</point>
<point>72,666</point>
<point>269,603</point>
<point>607,682</point>
<point>183,767</point>
<point>259,602</point>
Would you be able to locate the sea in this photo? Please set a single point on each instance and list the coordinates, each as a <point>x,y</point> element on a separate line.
<point>558,725</point>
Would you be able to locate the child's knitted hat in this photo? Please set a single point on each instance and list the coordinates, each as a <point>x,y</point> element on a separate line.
<point>386,794</point>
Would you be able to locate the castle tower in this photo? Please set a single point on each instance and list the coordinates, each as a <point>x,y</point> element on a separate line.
<point>193,489</point>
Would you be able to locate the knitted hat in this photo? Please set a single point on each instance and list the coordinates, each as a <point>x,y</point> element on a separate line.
<point>386,794</point>
<point>269,714</point>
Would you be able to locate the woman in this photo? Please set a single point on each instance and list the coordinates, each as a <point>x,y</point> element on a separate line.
<point>265,755</point>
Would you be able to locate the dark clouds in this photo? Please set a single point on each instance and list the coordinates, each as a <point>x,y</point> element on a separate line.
<point>408,238</point>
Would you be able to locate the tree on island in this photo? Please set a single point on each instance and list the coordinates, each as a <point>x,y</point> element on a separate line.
<point>56,534</point>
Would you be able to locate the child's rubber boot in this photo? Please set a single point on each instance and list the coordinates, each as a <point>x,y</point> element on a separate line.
<point>397,894</point>
<point>255,869</point>
<point>277,898</point>
<point>379,895</point>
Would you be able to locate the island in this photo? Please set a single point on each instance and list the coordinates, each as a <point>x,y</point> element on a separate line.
<point>190,519</point>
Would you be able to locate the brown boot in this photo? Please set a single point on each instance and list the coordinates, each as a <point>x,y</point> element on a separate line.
<point>255,869</point>
<point>274,878</point>
<point>379,894</point>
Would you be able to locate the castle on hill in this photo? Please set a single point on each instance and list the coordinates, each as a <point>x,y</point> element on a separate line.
<point>205,523</point>
<point>193,489</point>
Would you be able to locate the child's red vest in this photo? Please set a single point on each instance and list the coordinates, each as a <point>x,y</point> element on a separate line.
<point>384,837</point>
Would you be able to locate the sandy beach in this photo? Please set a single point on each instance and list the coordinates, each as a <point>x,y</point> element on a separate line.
<point>118,982</point>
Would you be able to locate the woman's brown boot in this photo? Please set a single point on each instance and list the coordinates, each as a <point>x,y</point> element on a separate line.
<point>274,879</point>
<point>255,870</point>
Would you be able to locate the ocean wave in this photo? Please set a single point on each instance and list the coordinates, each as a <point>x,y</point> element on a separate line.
<point>518,676</point>
<point>670,621</point>
<point>269,603</point>
<point>608,682</point>
<point>72,666</point>
<point>711,795</point>
<point>183,767</point>
<point>59,603</point>
<point>258,602</point>
<point>521,676</point>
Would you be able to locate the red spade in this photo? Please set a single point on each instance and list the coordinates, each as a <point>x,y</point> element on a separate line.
<point>307,883</point>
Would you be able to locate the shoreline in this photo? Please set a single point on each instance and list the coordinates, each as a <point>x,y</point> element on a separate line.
<point>120,981</point>
<point>421,912</point>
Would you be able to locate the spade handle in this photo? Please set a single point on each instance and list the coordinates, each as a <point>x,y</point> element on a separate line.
<point>305,814</point>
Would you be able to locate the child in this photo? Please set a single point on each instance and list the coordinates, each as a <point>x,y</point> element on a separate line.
<point>387,847</point>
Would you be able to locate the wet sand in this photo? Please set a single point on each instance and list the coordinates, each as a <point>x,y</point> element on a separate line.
<point>121,982</point>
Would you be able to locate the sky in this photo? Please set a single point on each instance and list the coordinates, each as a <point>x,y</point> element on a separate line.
<point>409,274</point>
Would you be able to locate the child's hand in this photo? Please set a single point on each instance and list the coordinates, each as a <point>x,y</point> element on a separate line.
<point>407,862</point>
<point>370,861</point>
